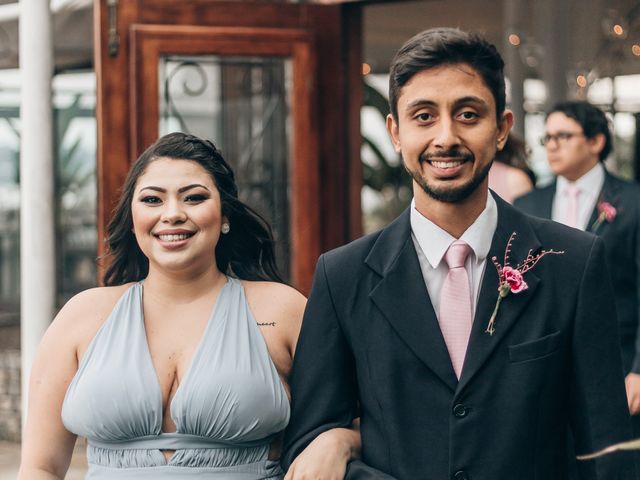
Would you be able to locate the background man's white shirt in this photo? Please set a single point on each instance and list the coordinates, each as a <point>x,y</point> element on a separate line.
<point>590,187</point>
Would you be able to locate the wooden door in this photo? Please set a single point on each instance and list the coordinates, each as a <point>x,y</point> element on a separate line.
<point>276,86</point>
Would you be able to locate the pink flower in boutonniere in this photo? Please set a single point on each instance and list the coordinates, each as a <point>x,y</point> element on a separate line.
<point>514,279</point>
<point>511,279</point>
<point>606,213</point>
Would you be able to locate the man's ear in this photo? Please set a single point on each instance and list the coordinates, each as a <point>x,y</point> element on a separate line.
<point>392,128</point>
<point>596,144</point>
<point>504,127</point>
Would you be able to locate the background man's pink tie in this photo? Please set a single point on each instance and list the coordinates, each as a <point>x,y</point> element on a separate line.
<point>573,192</point>
<point>455,305</point>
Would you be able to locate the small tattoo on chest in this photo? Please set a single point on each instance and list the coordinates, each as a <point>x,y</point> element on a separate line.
<point>266,324</point>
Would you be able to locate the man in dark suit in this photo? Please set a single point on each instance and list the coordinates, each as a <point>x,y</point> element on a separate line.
<point>460,335</point>
<point>586,196</point>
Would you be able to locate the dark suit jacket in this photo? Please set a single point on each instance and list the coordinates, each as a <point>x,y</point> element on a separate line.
<point>371,346</point>
<point>622,246</point>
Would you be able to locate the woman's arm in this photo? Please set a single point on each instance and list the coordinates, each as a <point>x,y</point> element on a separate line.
<point>327,456</point>
<point>47,446</point>
<point>279,309</point>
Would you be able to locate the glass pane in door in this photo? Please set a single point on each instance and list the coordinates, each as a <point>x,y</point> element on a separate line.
<point>241,104</point>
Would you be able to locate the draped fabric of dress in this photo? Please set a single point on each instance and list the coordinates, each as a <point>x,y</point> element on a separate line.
<point>227,409</point>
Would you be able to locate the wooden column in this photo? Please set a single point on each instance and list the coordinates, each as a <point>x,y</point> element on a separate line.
<point>514,11</point>
<point>555,28</point>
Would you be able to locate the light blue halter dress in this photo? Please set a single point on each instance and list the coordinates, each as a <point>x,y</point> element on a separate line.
<point>227,409</point>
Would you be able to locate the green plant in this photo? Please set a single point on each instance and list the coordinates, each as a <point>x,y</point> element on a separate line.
<point>384,175</point>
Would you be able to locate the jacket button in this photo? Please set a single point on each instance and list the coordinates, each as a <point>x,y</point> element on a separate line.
<point>460,411</point>
<point>460,475</point>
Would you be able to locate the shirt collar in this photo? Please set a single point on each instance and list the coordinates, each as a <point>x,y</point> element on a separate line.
<point>434,241</point>
<point>590,183</point>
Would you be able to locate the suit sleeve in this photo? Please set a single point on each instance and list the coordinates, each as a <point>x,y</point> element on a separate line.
<point>323,381</point>
<point>635,365</point>
<point>599,412</point>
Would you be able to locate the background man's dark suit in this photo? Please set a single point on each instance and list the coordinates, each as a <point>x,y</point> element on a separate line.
<point>371,345</point>
<point>622,246</point>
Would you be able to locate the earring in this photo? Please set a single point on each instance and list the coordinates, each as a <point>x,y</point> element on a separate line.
<point>226,228</point>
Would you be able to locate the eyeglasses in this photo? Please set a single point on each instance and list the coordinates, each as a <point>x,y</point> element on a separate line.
<point>559,138</point>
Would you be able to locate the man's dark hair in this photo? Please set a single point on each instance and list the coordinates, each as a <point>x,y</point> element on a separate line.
<point>447,46</point>
<point>592,120</point>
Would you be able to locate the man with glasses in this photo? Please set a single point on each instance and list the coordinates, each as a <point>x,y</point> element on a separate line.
<point>588,197</point>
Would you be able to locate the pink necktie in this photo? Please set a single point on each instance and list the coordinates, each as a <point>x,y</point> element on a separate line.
<point>573,191</point>
<point>455,305</point>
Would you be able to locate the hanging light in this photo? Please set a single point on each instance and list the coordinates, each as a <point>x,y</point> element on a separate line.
<point>582,77</point>
<point>514,39</point>
<point>614,24</point>
<point>531,53</point>
<point>581,81</point>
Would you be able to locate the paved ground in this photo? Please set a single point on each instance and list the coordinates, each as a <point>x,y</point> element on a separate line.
<point>10,461</point>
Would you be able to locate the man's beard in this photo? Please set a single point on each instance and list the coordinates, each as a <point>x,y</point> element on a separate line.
<point>450,194</point>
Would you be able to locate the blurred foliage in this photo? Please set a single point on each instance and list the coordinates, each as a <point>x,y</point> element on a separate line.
<point>74,173</point>
<point>384,175</point>
<point>623,152</point>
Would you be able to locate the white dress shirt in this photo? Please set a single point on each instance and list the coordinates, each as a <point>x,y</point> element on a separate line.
<point>590,187</point>
<point>432,242</point>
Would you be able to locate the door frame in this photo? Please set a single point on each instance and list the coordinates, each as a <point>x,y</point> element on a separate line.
<point>337,34</point>
<point>150,42</point>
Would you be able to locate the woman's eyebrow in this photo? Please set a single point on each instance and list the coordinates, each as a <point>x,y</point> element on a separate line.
<point>180,190</point>
<point>189,187</point>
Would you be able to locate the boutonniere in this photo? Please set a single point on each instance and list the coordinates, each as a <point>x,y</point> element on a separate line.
<point>511,279</point>
<point>606,213</point>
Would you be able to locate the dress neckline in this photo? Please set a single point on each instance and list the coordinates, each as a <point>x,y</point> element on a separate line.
<point>199,346</point>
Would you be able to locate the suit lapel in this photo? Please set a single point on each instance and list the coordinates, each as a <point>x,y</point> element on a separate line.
<point>481,344</point>
<point>594,216</point>
<point>402,298</point>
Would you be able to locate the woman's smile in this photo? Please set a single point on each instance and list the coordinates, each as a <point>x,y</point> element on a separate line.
<point>174,239</point>
<point>177,211</point>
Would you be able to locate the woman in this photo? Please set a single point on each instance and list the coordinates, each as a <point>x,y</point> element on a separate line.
<point>510,175</point>
<point>178,367</point>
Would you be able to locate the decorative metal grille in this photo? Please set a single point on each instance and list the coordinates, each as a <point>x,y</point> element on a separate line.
<point>241,104</point>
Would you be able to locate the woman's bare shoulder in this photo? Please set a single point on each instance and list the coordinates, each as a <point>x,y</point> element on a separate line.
<point>278,306</point>
<point>278,310</point>
<point>90,307</point>
<point>96,298</point>
<point>279,296</point>
<point>519,182</point>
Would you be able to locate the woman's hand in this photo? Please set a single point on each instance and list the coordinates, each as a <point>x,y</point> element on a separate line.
<point>326,458</point>
<point>632,382</point>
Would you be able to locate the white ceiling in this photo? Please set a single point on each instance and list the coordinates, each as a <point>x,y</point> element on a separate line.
<point>388,25</point>
<point>72,33</point>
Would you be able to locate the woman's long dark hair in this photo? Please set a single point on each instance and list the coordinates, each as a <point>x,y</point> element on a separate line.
<point>246,252</point>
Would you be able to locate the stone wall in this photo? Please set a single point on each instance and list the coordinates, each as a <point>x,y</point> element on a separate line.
<point>10,403</point>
